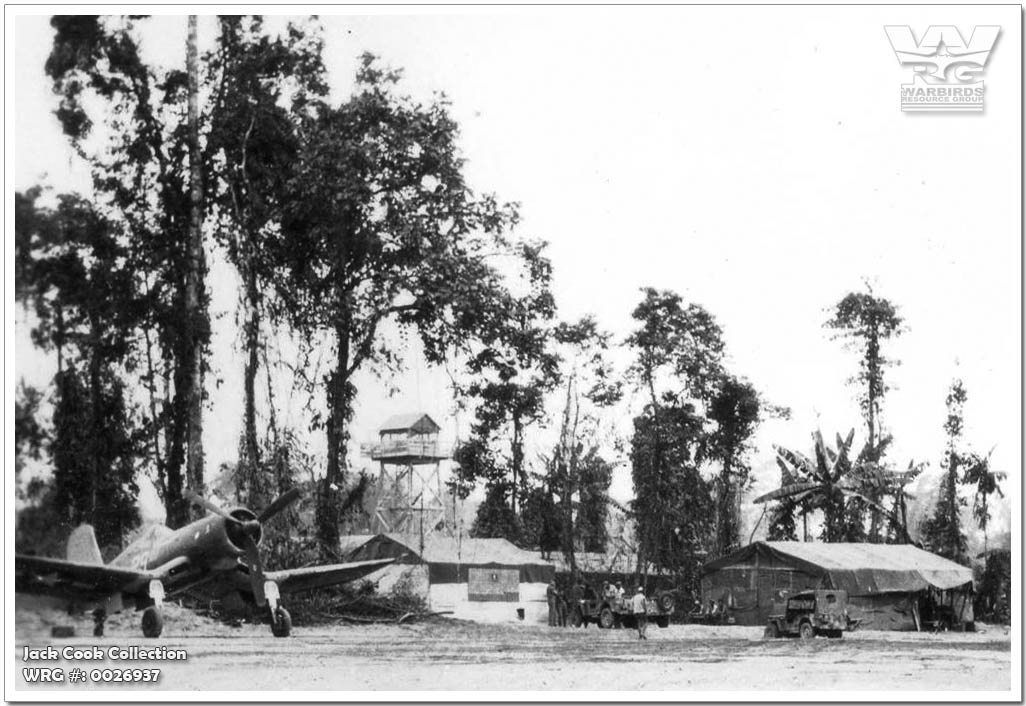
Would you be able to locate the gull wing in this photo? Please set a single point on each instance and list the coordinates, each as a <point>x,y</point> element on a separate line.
<point>311,577</point>
<point>75,580</point>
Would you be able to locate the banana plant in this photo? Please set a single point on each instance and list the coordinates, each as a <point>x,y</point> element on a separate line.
<point>826,482</point>
<point>880,482</point>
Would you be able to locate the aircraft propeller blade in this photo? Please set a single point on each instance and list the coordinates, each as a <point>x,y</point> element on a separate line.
<point>279,504</point>
<point>194,498</point>
<point>256,570</point>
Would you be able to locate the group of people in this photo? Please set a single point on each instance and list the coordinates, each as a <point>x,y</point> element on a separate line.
<point>560,603</point>
<point>613,592</point>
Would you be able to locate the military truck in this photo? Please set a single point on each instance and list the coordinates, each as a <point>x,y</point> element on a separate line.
<point>812,613</point>
<point>610,612</point>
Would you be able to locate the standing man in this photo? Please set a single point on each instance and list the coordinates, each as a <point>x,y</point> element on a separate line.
<point>640,617</point>
<point>561,608</point>
<point>550,594</point>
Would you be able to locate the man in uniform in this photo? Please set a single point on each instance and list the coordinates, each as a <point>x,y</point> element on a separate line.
<point>550,595</point>
<point>638,608</point>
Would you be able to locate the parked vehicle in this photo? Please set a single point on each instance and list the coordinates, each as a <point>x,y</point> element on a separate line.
<point>811,613</point>
<point>611,612</point>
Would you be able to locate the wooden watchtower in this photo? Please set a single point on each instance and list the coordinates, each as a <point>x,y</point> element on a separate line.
<point>409,497</point>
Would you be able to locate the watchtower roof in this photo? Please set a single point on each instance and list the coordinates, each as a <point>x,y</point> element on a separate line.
<point>418,423</point>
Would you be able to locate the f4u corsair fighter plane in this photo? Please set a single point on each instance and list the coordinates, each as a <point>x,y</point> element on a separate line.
<point>215,557</point>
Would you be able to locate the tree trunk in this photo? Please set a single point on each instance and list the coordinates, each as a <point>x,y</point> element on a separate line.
<point>725,511</point>
<point>195,313</point>
<point>96,423</point>
<point>151,374</point>
<point>175,505</point>
<point>329,500</point>
<point>518,458</point>
<point>873,364</point>
<point>256,495</point>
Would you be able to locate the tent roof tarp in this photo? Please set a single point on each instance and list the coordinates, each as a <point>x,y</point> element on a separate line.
<point>448,560</point>
<point>438,550</point>
<point>860,569</point>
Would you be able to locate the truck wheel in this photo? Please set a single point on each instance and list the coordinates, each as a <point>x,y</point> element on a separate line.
<point>663,621</point>
<point>666,602</point>
<point>576,619</point>
<point>606,618</point>
<point>806,632</point>
<point>772,631</point>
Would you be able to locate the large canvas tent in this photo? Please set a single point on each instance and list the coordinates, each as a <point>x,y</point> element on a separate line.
<point>483,579</point>
<point>889,586</point>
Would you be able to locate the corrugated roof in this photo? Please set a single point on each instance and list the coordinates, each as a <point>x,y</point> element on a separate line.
<point>864,568</point>
<point>402,422</point>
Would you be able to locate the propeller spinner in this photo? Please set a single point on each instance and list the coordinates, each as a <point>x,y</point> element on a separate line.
<point>251,533</point>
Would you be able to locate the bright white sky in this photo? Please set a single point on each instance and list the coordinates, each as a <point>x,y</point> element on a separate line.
<point>755,160</point>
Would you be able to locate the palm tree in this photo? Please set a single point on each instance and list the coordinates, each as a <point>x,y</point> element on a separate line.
<point>977,472</point>
<point>829,483</point>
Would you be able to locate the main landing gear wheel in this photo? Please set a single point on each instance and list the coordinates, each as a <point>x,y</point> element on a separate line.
<point>152,622</point>
<point>281,622</point>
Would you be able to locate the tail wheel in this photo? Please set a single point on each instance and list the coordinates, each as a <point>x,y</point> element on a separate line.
<point>806,632</point>
<point>606,618</point>
<point>99,618</point>
<point>152,622</point>
<point>281,623</point>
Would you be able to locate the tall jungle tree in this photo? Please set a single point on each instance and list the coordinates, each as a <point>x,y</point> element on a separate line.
<point>79,280</point>
<point>736,410</point>
<point>143,172</point>
<point>678,363</point>
<point>380,229</point>
<point>576,475</point>
<point>267,86</point>
<point>867,321</point>
<point>514,367</point>
<point>942,532</point>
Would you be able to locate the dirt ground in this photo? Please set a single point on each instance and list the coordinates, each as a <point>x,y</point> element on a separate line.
<point>452,655</point>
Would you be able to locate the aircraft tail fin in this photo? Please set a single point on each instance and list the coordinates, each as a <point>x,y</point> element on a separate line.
<point>82,546</point>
